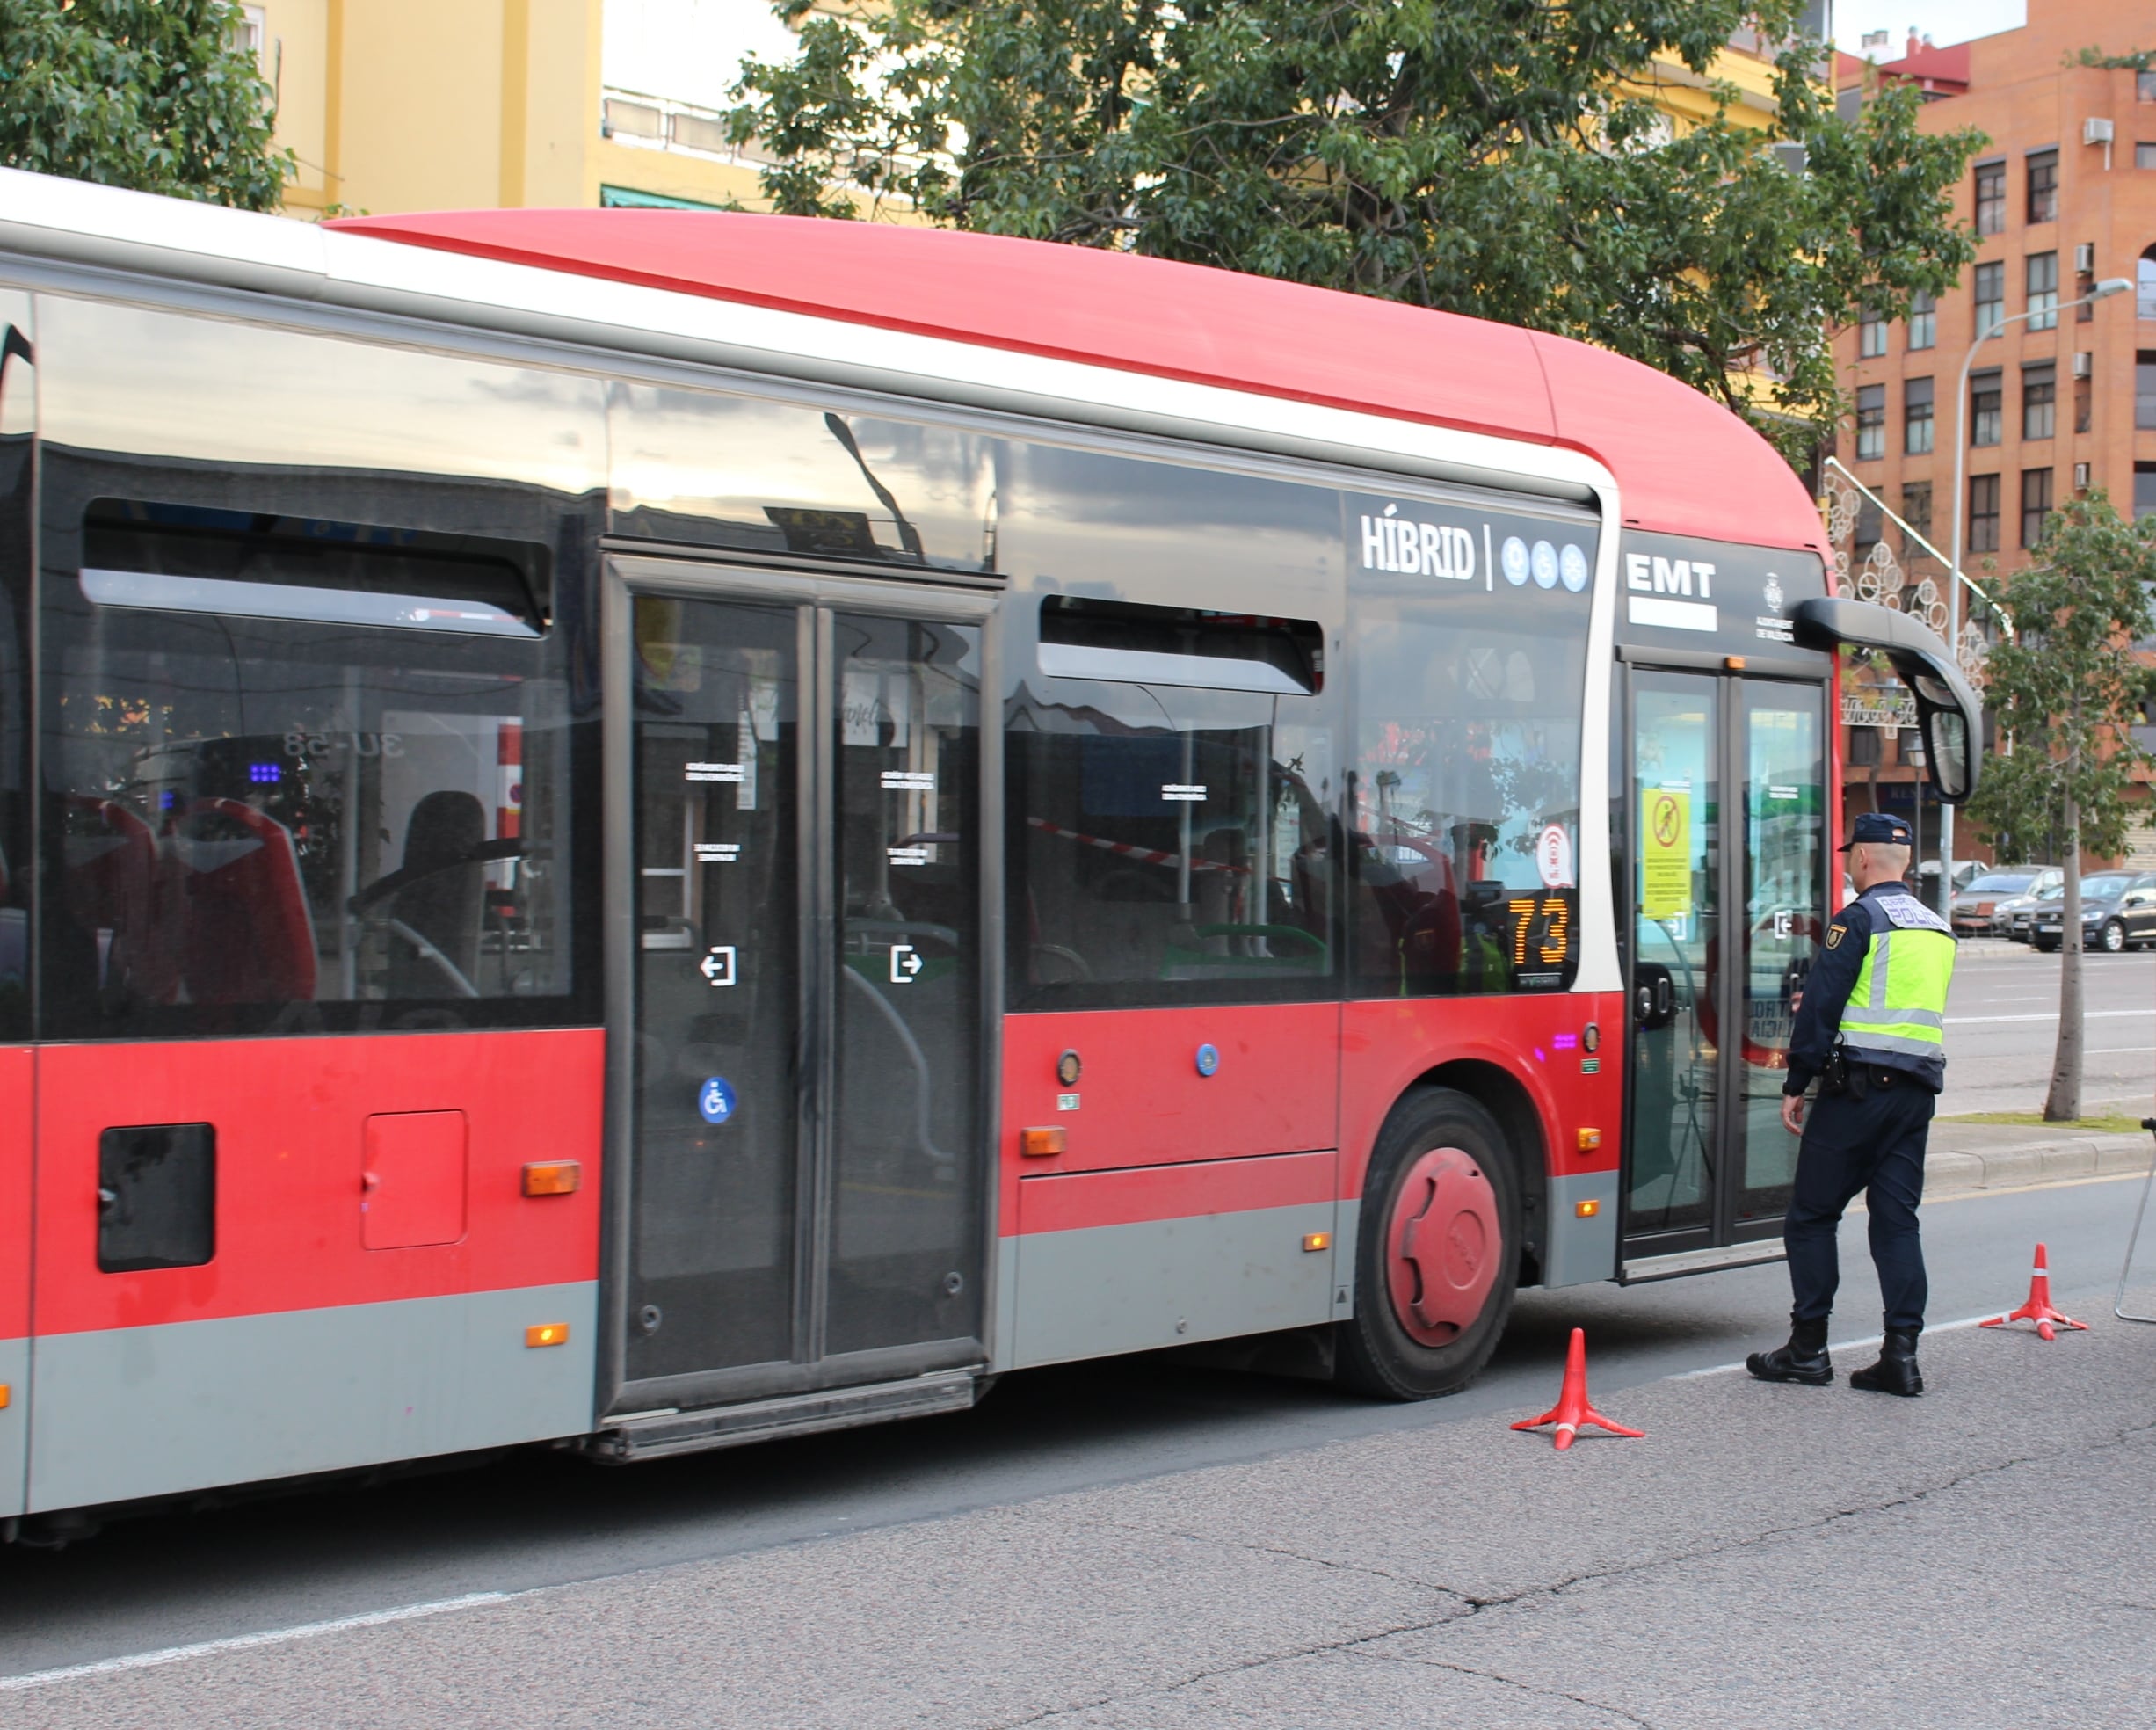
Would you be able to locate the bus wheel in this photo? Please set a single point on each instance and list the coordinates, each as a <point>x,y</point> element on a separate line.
<point>1437,1255</point>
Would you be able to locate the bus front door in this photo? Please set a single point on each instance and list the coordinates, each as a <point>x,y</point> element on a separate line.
<point>801,1002</point>
<point>1728,867</point>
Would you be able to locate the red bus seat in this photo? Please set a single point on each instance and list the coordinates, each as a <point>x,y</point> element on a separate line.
<point>249,937</point>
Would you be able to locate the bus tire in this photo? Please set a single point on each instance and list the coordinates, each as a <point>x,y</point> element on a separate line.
<point>1437,1252</point>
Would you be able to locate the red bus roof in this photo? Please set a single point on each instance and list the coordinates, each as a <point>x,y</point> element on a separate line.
<point>1685,465</point>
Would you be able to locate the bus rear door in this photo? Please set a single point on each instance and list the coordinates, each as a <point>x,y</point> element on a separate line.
<point>800,1000</point>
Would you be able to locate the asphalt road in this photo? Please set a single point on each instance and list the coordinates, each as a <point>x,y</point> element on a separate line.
<point>2002,1029</point>
<point>922,1490</point>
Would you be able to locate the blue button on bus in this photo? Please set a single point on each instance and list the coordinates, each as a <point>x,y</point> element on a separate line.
<point>1209,1060</point>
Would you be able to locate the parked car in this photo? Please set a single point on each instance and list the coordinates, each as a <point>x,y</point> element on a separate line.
<point>2118,911</point>
<point>2014,916</point>
<point>1976,906</point>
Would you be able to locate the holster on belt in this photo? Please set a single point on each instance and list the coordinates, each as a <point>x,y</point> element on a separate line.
<point>1837,1075</point>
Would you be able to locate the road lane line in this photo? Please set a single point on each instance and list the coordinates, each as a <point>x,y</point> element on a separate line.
<point>2086,1016</point>
<point>179,1654</point>
<point>1840,1346</point>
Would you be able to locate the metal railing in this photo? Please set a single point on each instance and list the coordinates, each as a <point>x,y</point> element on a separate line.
<point>1887,511</point>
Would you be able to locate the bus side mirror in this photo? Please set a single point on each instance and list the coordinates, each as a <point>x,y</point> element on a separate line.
<point>1947,709</point>
<point>1949,749</point>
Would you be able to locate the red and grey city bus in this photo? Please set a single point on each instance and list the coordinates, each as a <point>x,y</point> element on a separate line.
<point>651,829</point>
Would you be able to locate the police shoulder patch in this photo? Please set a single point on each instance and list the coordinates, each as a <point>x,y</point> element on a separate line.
<point>1835,932</point>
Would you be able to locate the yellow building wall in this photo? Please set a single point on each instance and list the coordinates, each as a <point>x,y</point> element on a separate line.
<point>420,107</point>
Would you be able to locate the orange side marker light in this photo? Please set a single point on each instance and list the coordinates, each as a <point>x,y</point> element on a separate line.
<point>1313,1241</point>
<point>1589,1140</point>
<point>1040,1143</point>
<point>7,1394</point>
<point>1585,1210</point>
<point>552,1177</point>
<point>546,1333</point>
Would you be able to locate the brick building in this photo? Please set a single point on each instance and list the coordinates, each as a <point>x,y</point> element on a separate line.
<point>2059,402</point>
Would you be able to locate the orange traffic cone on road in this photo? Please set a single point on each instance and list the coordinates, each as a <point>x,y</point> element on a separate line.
<point>2038,1308</point>
<point>1573,1409</point>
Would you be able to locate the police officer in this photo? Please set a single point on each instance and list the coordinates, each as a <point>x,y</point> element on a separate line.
<point>1869,1026</point>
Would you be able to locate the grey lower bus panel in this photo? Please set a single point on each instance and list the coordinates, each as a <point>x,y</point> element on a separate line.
<point>243,1398</point>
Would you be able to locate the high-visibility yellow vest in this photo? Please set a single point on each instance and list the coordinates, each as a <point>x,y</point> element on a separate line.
<point>1899,1000</point>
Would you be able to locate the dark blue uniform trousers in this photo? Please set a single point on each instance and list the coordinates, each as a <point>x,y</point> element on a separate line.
<point>1875,1144</point>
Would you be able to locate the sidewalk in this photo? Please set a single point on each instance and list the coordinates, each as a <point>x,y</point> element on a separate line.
<point>2004,1155</point>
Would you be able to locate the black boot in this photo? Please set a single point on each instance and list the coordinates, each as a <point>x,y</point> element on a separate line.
<point>1804,1359</point>
<point>1896,1371</point>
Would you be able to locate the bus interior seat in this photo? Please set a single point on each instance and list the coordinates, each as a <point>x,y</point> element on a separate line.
<point>249,938</point>
<point>447,904</point>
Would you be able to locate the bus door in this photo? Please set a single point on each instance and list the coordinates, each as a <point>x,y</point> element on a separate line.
<point>800,1047</point>
<point>1728,865</point>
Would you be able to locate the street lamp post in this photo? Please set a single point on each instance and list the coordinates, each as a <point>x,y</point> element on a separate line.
<point>2102,291</point>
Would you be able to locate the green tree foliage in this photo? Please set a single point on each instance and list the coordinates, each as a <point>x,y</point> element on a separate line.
<point>152,94</point>
<point>2065,689</point>
<point>1498,157</point>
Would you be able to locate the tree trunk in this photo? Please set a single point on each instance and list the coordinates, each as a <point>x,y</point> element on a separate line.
<point>2062,1104</point>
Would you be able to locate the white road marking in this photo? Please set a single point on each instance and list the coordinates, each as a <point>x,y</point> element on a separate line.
<point>2086,1016</point>
<point>179,1654</point>
<point>1864,1344</point>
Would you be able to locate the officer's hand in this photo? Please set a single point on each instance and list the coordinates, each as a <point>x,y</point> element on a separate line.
<point>1793,1113</point>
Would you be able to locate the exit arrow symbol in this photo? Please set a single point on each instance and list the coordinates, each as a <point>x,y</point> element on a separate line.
<point>905,964</point>
<point>717,966</point>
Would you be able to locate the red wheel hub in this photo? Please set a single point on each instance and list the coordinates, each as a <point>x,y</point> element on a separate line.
<point>1441,1246</point>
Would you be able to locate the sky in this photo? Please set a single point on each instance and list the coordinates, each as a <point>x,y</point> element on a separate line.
<point>1946,24</point>
<point>687,50</point>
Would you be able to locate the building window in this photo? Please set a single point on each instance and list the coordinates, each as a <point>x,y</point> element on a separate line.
<point>1916,417</point>
<point>2144,154</point>
<point>2039,396</point>
<point>2145,285</point>
<point>1983,514</point>
<point>1984,392</point>
<point>1863,746</point>
<point>2035,504</point>
<point>1871,335</point>
<point>2144,389</point>
<point>1870,422</point>
<point>2144,491</point>
<point>2044,186</point>
<point>1915,512</point>
<point>1991,198</point>
<point>1991,297</point>
<point>2084,404</point>
<point>1923,320</point>
<point>2144,86</point>
<point>2043,278</point>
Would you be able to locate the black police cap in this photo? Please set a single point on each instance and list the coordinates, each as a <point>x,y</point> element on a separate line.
<point>1876,828</point>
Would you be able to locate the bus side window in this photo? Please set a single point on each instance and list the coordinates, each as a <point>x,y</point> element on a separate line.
<point>318,660</point>
<point>1170,834</point>
<point>1464,789</point>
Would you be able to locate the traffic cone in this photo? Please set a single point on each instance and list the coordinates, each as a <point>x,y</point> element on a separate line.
<point>2038,1308</point>
<point>1573,1409</point>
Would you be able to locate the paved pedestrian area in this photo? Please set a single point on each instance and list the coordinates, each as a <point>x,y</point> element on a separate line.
<point>1768,1556</point>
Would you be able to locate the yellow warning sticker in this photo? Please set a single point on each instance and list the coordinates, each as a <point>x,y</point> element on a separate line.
<point>1665,854</point>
